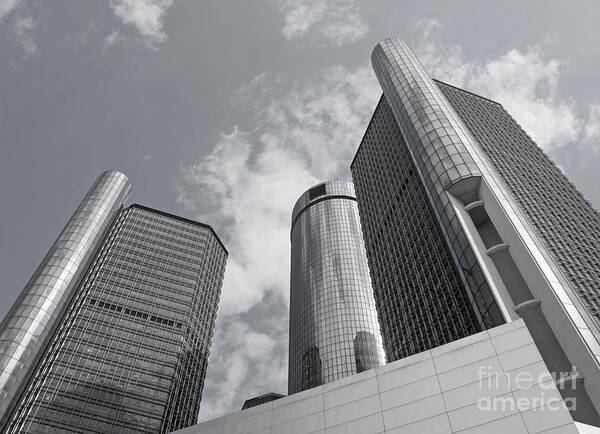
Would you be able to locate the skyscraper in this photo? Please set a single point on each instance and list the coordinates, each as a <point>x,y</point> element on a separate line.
<point>129,299</point>
<point>468,225</point>
<point>333,322</point>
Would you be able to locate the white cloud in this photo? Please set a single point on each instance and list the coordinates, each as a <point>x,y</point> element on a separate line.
<point>332,22</point>
<point>524,81</point>
<point>7,6</point>
<point>115,38</point>
<point>248,185</point>
<point>82,38</point>
<point>21,25</point>
<point>147,16</point>
<point>23,32</point>
<point>252,179</point>
<point>244,363</point>
<point>592,126</point>
<point>252,91</point>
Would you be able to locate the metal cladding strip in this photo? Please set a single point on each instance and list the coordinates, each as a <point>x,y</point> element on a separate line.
<point>32,318</point>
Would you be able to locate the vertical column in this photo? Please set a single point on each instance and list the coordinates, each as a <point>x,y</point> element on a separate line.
<point>31,321</point>
<point>437,139</point>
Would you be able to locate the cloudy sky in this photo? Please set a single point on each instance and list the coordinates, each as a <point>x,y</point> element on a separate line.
<point>225,111</point>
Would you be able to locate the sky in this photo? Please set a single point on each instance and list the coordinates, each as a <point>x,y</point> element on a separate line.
<point>226,111</point>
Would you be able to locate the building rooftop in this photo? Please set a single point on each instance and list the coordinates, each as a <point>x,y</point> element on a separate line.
<point>262,399</point>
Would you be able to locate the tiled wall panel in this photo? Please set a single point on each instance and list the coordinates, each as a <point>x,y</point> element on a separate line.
<point>436,391</point>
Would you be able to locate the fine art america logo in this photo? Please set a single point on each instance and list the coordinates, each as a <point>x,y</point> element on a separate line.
<point>531,391</point>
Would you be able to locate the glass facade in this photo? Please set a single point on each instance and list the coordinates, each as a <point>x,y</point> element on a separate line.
<point>32,319</point>
<point>440,146</point>
<point>419,292</point>
<point>131,351</point>
<point>334,331</point>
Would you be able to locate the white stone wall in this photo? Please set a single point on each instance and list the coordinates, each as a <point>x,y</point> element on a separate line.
<point>491,382</point>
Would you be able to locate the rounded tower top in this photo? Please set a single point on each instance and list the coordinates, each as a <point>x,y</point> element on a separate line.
<point>321,191</point>
<point>115,173</point>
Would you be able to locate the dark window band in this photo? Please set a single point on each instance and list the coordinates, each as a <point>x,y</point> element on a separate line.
<point>314,202</point>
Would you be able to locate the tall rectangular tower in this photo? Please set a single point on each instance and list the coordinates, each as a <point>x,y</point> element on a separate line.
<point>419,291</point>
<point>130,351</point>
<point>468,223</point>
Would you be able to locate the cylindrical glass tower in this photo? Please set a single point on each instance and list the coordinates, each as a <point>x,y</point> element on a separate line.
<point>32,319</point>
<point>334,330</point>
